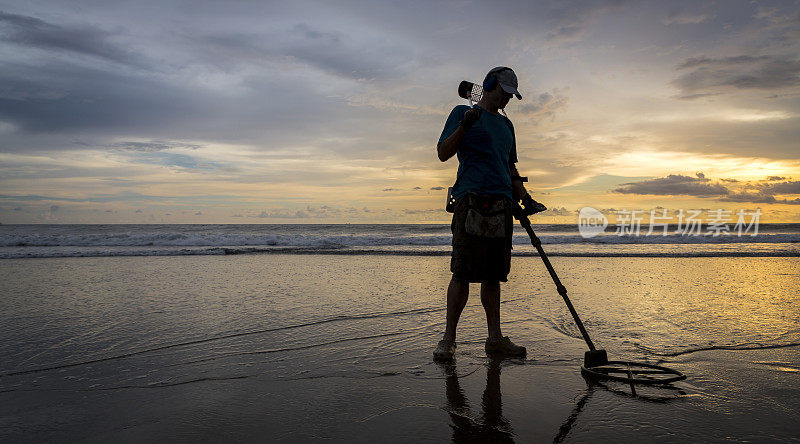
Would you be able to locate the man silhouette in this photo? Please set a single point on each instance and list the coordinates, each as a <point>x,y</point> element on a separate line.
<point>486,184</point>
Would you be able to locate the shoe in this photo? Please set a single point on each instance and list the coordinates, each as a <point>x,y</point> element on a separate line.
<point>506,347</point>
<point>445,350</point>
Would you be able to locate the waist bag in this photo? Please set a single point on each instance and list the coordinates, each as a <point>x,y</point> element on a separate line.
<point>486,216</point>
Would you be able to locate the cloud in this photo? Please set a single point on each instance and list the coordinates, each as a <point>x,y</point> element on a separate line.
<point>236,215</point>
<point>749,197</point>
<point>775,178</point>
<point>70,97</point>
<point>758,197</point>
<point>674,184</point>
<point>685,18</point>
<point>568,19</point>
<point>700,186</point>
<point>174,160</point>
<point>310,211</point>
<point>558,212</point>
<point>422,211</point>
<point>330,51</point>
<point>138,211</point>
<point>788,187</point>
<point>199,213</point>
<point>437,188</point>
<point>544,106</point>
<point>155,145</point>
<point>83,40</point>
<point>708,75</point>
<point>281,214</point>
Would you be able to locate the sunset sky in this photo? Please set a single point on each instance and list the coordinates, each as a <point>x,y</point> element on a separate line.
<point>329,112</point>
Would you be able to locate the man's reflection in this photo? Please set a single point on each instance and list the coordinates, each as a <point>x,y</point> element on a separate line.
<point>492,426</point>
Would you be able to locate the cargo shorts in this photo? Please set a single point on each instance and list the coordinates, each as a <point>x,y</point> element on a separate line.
<point>482,230</point>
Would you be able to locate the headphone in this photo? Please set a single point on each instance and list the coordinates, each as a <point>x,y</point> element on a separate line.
<point>490,81</point>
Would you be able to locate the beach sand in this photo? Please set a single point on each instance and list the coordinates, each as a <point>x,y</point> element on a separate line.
<point>312,348</point>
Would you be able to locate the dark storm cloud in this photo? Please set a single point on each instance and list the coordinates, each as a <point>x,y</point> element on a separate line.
<point>437,188</point>
<point>674,184</point>
<point>708,75</point>
<point>86,40</point>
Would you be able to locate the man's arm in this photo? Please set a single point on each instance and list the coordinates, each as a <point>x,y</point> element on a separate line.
<point>448,147</point>
<point>517,186</point>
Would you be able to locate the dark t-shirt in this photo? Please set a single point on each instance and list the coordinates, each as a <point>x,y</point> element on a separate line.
<point>485,155</point>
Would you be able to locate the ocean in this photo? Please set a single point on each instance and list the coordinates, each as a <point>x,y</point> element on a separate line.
<point>325,333</point>
<point>19,241</point>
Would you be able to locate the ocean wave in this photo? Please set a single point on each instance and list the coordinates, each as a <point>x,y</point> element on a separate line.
<point>57,252</point>
<point>182,239</point>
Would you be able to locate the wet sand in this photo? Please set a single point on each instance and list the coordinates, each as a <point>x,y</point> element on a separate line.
<point>288,348</point>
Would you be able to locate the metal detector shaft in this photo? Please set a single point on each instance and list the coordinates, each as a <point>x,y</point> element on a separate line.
<point>526,223</point>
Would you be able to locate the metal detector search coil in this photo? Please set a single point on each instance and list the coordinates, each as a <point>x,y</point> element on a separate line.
<point>596,363</point>
<point>633,372</point>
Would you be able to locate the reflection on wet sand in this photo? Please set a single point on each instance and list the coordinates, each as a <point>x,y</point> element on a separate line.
<point>492,426</point>
<point>661,394</point>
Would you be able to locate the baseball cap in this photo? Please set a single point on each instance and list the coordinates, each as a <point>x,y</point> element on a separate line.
<point>507,79</point>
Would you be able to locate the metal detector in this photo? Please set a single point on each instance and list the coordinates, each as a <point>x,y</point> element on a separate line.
<point>470,91</point>
<point>595,362</point>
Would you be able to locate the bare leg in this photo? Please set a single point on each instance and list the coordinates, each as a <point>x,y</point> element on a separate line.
<point>457,295</point>
<point>490,298</point>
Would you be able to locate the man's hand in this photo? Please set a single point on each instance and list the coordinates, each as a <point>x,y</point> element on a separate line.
<point>470,117</point>
<point>518,189</point>
<point>531,206</point>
